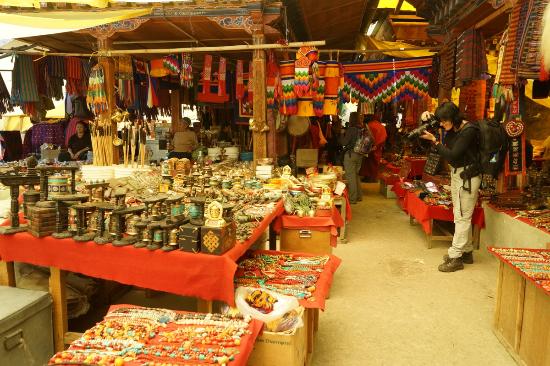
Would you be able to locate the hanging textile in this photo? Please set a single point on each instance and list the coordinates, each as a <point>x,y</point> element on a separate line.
<point>172,64</point>
<point>5,100</point>
<point>545,45</point>
<point>319,89</point>
<point>222,75</point>
<point>152,98</point>
<point>332,88</point>
<point>272,81</point>
<point>289,104</point>
<point>250,84</point>
<point>387,81</point>
<point>239,71</point>
<point>529,57</point>
<point>74,76</point>
<point>186,75</point>
<point>124,73</point>
<point>447,68</point>
<point>96,97</point>
<point>470,57</point>
<point>55,75</point>
<point>24,91</point>
<point>207,74</point>
<point>305,57</point>
<point>433,83</point>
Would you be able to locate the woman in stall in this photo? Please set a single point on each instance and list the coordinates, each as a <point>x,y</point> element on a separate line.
<point>79,144</point>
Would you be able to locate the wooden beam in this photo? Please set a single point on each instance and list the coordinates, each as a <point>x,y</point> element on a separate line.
<point>398,7</point>
<point>506,8</point>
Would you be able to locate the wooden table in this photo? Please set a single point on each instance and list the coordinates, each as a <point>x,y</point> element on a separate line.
<point>42,251</point>
<point>522,316</point>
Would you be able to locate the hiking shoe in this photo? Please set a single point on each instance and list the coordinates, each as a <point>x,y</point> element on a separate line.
<point>454,264</point>
<point>467,258</point>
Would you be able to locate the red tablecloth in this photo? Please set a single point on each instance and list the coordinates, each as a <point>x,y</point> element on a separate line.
<point>393,168</point>
<point>245,348</point>
<point>322,288</point>
<point>417,166</point>
<point>423,213</point>
<point>513,213</point>
<point>209,277</point>
<point>400,192</point>
<point>317,223</point>
<point>390,179</point>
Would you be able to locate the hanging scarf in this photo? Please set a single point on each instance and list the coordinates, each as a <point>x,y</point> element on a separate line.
<point>186,76</point>
<point>289,104</point>
<point>207,74</point>
<point>124,74</point>
<point>273,81</point>
<point>24,91</point>
<point>96,97</point>
<point>239,93</point>
<point>172,64</point>
<point>55,73</point>
<point>5,101</point>
<point>319,89</point>
<point>73,67</point>
<point>222,74</point>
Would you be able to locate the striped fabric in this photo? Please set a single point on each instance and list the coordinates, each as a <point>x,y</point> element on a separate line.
<point>5,101</point>
<point>529,56</point>
<point>448,63</point>
<point>23,89</point>
<point>75,76</point>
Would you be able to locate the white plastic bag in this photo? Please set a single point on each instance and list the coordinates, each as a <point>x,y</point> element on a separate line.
<point>283,305</point>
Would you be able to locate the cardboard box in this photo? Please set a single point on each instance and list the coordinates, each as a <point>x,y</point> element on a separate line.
<point>306,241</point>
<point>306,158</point>
<point>278,349</point>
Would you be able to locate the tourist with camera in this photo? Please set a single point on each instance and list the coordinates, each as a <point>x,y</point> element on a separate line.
<point>461,150</point>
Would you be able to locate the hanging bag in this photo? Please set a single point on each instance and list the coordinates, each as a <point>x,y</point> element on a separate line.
<point>364,143</point>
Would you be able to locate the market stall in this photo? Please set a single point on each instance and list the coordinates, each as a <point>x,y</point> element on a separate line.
<point>522,308</point>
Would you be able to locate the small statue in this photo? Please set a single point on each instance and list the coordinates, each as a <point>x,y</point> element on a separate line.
<point>214,215</point>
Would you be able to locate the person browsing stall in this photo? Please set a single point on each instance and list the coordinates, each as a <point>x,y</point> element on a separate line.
<point>352,160</point>
<point>461,150</point>
<point>184,141</point>
<point>80,143</point>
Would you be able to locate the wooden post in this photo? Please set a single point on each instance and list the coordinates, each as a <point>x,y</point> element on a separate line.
<point>7,274</point>
<point>259,138</point>
<point>175,106</point>
<point>60,323</point>
<point>104,44</point>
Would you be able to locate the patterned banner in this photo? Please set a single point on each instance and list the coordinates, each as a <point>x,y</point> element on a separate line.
<point>222,76</point>
<point>240,80</point>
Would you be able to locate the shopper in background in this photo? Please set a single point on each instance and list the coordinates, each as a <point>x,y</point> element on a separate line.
<point>461,150</point>
<point>369,168</point>
<point>184,141</point>
<point>352,160</point>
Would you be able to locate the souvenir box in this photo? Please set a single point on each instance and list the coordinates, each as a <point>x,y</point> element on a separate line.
<point>41,221</point>
<point>218,240</point>
<point>189,237</point>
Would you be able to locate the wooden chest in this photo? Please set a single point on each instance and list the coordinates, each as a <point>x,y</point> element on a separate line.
<point>217,240</point>
<point>189,238</point>
<point>306,241</point>
<point>41,221</point>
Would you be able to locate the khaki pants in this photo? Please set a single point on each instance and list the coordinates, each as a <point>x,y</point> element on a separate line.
<point>352,166</point>
<point>464,203</point>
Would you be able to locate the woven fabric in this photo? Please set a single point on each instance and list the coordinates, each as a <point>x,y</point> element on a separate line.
<point>318,91</point>
<point>433,83</point>
<point>289,104</point>
<point>5,100</point>
<point>24,88</point>
<point>97,96</point>
<point>272,81</point>
<point>387,87</point>
<point>54,76</point>
<point>470,57</point>
<point>529,58</point>
<point>74,75</point>
<point>47,133</point>
<point>186,76</point>
<point>448,63</point>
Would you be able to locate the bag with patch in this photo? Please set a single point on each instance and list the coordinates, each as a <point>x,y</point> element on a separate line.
<point>364,143</point>
<point>493,145</point>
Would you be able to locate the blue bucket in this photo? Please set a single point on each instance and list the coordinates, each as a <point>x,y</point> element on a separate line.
<point>247,156</point>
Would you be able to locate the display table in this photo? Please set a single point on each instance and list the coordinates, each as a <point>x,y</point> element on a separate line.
<point>506,230</point>
<point>416,165</point>
<point>207,277</point>
<point>253,278</point>
<point>309,234</point>
<point>522,312</point>
<point>161,348</point>
<point>400,194</point>
<point>426,214</point>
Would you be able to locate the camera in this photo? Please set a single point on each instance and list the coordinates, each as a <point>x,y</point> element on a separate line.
<point>432,122</point>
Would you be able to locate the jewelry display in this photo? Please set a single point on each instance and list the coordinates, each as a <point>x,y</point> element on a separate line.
<point>150,336</point>
<point>533,263</point>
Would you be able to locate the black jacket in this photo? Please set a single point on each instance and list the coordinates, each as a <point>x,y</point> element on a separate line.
<point>461,148</point>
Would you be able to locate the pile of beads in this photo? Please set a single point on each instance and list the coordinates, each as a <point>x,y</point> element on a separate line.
<point>286,274</point>
<point>535,264</point>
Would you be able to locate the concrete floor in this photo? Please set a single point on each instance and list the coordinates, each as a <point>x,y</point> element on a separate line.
<point>390,306</point>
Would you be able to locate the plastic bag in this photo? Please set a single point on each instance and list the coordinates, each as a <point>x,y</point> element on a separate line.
<point>283,305</point>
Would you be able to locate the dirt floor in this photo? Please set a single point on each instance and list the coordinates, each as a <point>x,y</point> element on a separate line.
<point>390,306</point>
